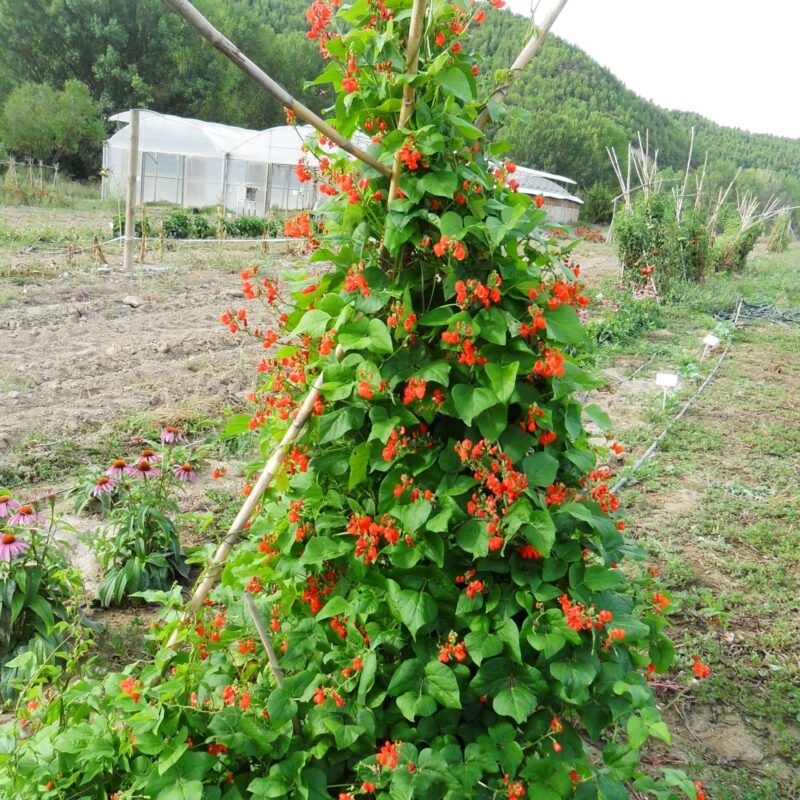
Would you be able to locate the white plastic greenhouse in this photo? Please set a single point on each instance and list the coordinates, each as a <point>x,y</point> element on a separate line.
<point>198,164</point>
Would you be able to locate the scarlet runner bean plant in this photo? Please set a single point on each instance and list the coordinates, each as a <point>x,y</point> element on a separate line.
<point>440,563</point>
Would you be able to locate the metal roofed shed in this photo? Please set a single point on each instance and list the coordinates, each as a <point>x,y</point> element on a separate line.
<point>562,207</point>
<point>197,164</point>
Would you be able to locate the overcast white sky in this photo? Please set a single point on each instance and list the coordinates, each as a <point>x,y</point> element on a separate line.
<point>736,62</point>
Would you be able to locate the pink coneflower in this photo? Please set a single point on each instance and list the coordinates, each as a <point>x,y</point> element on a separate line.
<point>103,484</point>
<point>184,472</point>
<point>11,547</point>
<point>170,435</point>
<point>118,468</point>
<point>150,455</point>
<point>143,469</point>
<point>7,505</point>
<point>25,516</point>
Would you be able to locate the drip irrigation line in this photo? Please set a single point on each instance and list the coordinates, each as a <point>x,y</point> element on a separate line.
<point>686,406</point>
<point>764,312</point>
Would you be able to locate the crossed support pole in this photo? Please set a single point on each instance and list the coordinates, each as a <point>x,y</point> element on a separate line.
<point>210,576</point>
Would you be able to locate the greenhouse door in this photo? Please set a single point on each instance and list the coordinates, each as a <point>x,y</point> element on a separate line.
<point>162,178</point>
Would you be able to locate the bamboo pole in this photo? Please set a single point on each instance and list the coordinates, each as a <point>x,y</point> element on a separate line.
<point>189,13</point>
<point>679,203</point>
<point>209,578</point>
<point>273,659</point>
<point>532,47</point>
<point>130,194</point>
<point>412,62</point>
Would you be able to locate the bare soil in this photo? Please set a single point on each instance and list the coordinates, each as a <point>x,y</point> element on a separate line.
<point>81,350</point>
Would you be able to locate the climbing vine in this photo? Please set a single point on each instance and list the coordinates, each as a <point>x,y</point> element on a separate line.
<point>440,561</point>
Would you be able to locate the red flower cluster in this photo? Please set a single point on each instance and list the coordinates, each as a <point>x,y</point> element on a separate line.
<point>533,413</point>
<point>579,618</point>
<point>320,694</point>
<point>318,586</point>
<point>339,624</point>
<point>453,649</point>
<point>320,15</point>
<point>406,483</point>
<point>399,440</point>
<point>355,281</point>
<point>501,485</point>
<point>298,226</point>
<point>370,533</point>
<point>398,315</point>
<point>415,390</point>
<point>350,82</point>
<point>387,757</point>
<point>602,495</point>
<point>131,687</point>
<point>699,668</point>
<point>410,156</point>
<point>515,789</point>
<point>301,171</point>
<point>446,244</point>
<point>492,468</point>
<point>550,365</point>
<point>350,670</point>
<point>476,292</point>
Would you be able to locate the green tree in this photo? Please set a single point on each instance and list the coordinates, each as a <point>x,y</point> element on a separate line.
<point>45,124</point>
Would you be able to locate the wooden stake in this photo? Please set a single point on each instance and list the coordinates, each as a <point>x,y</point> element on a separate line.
<point>412,62</point>
<point>143,238</point>
<point>273,659</point>
<point>130,195</point>
<point>209,578</point>
<point>532,47</point>
<point>186,10</point>
<point>97,251</point>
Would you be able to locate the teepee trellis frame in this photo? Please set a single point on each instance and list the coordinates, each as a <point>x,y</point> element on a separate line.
<point>211,574</point>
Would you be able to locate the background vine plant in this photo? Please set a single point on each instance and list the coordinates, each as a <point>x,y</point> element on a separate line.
<point>440,560</point>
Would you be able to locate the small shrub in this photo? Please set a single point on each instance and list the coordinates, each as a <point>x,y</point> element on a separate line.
<point>202,228</point>
<point>178,225</point>
<point>245,227</point>
<point>119,226</point>
<point>779,235</point>
<point>622,314</point>
<point>598,205</point>
<point>732,246</point>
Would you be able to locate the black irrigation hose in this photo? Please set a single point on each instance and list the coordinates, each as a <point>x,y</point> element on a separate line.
<point>734,316</point>
<point>763,312</point>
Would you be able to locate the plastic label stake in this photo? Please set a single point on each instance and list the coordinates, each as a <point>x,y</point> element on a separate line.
<point>667,381</point>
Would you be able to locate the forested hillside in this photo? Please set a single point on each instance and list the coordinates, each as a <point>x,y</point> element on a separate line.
<point>136,52</point>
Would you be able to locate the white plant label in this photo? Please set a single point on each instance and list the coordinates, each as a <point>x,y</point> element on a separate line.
<point>710,340</point>
<point>668,380</point>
